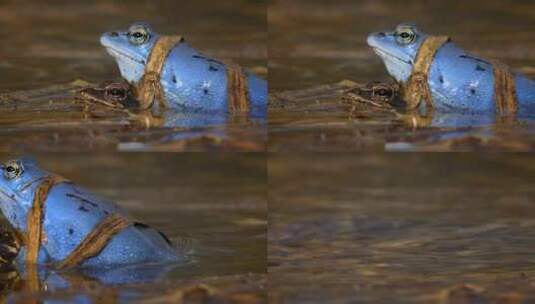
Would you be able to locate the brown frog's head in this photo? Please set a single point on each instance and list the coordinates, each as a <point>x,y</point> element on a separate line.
<point>111,94</point>
<point>378,92</point>
<point>375,93</point>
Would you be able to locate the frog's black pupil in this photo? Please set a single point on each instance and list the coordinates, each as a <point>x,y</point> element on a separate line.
<point>405,35</point>
<point>10,169</point>
<point>115,92</point>
<point>382,92</point>
<point>138,34</point>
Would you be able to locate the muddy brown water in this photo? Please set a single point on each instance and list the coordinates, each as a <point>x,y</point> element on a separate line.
<point>317,43</point>
<point>46,45</point>
<point>401,228</point>
<point>215,205</point>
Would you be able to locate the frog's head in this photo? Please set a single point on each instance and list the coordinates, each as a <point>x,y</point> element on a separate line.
<point>131,49</point>
<point>19,180</point>
<point>398,49</point>
<point>110,94</point>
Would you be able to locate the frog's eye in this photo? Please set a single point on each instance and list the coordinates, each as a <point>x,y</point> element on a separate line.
<point>405,35</point>
<point>116,94</point>
<point>383,92</point>
<point>116,91</point>
<point>138,34</point>
<point>13,169</point>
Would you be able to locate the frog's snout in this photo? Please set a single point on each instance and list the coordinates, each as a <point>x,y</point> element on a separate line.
<point>374,39</point>
<point>107,38</point>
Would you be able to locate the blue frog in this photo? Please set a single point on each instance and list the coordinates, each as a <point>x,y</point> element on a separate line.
<point>188,79</point>
<point>457,81</point>
<point>69,216</point>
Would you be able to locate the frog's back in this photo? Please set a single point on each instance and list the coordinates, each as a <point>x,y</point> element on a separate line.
<point>463,81</point>
<point>193,80</point>
<point>71,213</point>
<point>460,80</point>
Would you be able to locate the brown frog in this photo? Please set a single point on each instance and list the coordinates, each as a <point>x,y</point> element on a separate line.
<point>118,97</point>
<point>10,243</point>
<point>111,94</point>
<point>386,97</point>
<point>378,94</point>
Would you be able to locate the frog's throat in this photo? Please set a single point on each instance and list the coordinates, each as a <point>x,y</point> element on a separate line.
<point>149,88</point>
<point>382,53</point>
<point>90,246</point>
<point>116,53</point>
<point>417,89</point>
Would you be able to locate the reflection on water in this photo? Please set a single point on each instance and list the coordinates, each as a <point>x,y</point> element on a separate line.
<point>401,228</point>
<point>49,45</point>
<point>214,205</point>
<point>315,43</point>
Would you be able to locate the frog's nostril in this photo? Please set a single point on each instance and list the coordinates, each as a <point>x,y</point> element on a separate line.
<point>381,35</point>
<point>114,34</point>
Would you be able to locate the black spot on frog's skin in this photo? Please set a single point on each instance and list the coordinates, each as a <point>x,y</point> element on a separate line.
<point>441,79</point>
<point>83,209</point>
<point>144,226</point>
<point>106,212</point>
<point>212,69</point>
<point>164,237</point>
<point>71,231</point>
<point>141,225</point>
<point>473,58</point>
<point>473,91</point>
<point>205,91</point>
<point>480,68</point>
<point>173,79</point>
<point>81,199</point>
<point>208,59</point>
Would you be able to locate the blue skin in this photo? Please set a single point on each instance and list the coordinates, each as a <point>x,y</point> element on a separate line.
<point>190,80</point>
<point>65,202</point>
<point>458,81</point>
